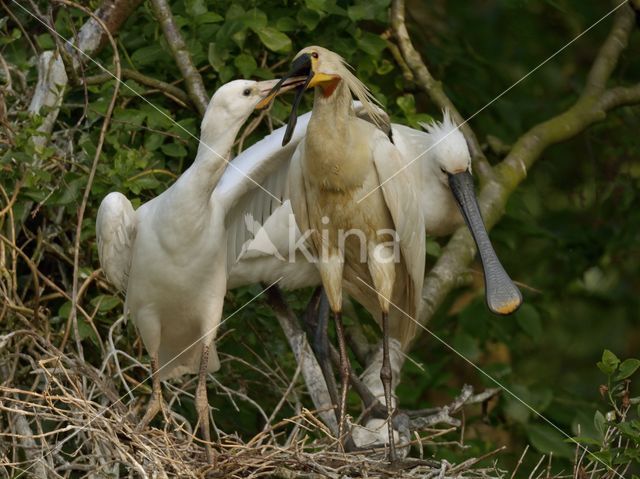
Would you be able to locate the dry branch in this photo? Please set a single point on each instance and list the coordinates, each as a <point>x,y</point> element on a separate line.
<point>434,88</point>
<point>304,356</point>
<point>192,78</point>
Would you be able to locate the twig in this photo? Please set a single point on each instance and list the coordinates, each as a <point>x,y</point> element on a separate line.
<point>170,90</point>
<point>515,469</point>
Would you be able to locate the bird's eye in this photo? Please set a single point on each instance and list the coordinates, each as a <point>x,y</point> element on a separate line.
<point>443,170</point>
<point>314,54</point>
<point>247,92</point>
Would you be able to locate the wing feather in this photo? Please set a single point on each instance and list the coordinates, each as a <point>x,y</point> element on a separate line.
<point>115,231</point>
<point>400,192</point>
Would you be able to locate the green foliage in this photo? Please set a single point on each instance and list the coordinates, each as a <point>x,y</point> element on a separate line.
<point>616,442</point>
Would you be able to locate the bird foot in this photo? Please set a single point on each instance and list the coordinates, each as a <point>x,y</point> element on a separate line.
<point>156,405</point>
<point>374,434</point>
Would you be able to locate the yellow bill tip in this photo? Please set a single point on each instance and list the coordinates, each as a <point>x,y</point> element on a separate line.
<point>266,101</point>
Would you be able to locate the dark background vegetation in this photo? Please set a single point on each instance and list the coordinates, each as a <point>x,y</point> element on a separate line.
<point>570,235</point>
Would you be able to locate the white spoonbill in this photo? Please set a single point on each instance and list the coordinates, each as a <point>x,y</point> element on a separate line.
<point>170,255</point>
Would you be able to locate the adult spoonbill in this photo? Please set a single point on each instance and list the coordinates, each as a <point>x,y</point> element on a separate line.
<point>170,255</point>
<point>342,178</point>
<point>273,253</point>
<point>349,189</point>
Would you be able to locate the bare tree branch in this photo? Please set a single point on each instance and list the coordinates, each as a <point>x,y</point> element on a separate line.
<point>433,88</point>
<point>192,78</point>
<point>52,76</point>
<point>610,51</point>
<point>113,13</point>
<point>304,356</point>
<point>592,106</point>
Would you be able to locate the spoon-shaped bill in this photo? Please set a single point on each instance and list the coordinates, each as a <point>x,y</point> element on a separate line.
<point>299,66</point>
<point>502,296</point>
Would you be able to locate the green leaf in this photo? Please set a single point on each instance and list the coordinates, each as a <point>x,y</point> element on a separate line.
<point>153,141</point>
<point>175,150</point>
<point>105,302</point>
<point>309,18</point>
<point>600,422</point>
<point>196,8</point>
<point>467,346</point>
<point>274,40</point>
<point>245,64</point>
<point>384,67</point>
<point>209,17</point>
<point>609,362</point>
<point>433,248</point>
<point>364,11</point>
<point>86,331</point>
<point>216,57</point>
<point>546,440</point>
<point>627,368</point>
<point>528,319</point>
<point>255,19</point>
<point>148,55</point>
<point>371,44</point>
<point>317,5</point>
<point>45,41</point>
<point>407,104</point>
<point>286,24</point>
<point>587,441</point>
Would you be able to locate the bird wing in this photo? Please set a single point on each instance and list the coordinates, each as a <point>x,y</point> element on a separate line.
<point>256,185</point>
<point>116,231</point>
<point>297,190</point>
<point>400,193</point>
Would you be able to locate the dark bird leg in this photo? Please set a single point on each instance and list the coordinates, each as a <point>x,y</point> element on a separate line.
<point>344,374</point>
<point>386,377</point>
<point>156,404</point>
<point>202,403</point>
<point>317,321</point>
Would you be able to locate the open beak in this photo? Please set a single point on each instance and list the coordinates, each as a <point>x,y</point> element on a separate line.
<point>502,296</point>
<point>301,67</point>
<point>266,87</point>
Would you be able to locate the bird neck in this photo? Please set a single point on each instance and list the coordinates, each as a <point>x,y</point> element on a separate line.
<point>332,153</point>
<point>216,140</point>
<point>334,108</point>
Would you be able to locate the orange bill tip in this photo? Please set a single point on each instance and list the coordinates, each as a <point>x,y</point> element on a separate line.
<point>508,307</point>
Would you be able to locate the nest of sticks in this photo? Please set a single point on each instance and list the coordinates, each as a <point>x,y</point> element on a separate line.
<point>64,417</point>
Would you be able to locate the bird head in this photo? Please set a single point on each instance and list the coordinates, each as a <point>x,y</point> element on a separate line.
<point>448,150</point>
<point>451,162</point>
<point>239,98</point>
<point>324,70</point>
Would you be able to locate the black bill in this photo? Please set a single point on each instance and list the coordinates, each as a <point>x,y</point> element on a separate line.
<point>502,296</point>
<point>301,66</point>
